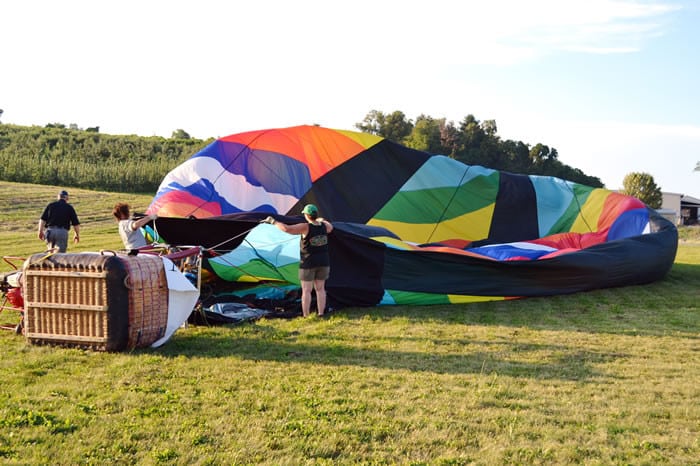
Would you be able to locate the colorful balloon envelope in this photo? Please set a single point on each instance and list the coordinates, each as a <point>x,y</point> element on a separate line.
<point>410,227</point>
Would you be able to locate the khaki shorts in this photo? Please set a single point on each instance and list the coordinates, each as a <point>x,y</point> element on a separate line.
<point>316,273</point>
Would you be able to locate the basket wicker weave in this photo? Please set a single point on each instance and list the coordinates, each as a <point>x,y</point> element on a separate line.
<point>108,302</point>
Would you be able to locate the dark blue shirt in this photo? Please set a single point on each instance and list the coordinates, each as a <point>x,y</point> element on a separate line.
<point>60,214</point>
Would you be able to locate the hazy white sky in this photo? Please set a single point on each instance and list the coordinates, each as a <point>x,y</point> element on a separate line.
<point>611,84</point>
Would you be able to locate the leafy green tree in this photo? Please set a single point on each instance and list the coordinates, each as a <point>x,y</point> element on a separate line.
<point>541,154</point>
<point>518,155</point>
<point>472,132</point>
<point>372,123</point>
<point>180,134</point>
<point>449,138</point>
<point>489,127</point>
<point>426,135</point>
<point>472,147</point>
<point>395,126</point>
<point>643,187</point>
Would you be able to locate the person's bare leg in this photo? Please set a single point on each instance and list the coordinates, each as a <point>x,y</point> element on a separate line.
<point>306,288</point>
<point>320,286</point>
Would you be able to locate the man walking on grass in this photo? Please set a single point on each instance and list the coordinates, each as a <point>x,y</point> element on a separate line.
<point>56,221</point>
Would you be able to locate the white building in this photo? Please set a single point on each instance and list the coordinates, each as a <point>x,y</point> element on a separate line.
<point>679,208</point>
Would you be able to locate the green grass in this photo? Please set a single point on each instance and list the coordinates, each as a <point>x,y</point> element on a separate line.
<point>604,377</point>
<point>689,233</point>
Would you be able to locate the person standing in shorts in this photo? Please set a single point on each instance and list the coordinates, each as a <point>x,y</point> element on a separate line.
<point>55,222</point>
<point>314,260</point>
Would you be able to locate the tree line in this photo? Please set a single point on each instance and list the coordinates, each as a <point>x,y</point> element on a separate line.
<point>473,142</point>
<point>70,156</point>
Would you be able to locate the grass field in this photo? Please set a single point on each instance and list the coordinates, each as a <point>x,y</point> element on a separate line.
<point>607,377</point>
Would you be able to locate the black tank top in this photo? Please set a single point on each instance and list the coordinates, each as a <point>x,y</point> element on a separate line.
<point>313,248</point>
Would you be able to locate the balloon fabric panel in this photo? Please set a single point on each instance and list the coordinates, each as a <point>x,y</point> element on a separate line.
<point>172,203</point>
<point>275,172</point>
<point>357,269</point>
<point>554,203</point>
<point>474,225</point>
<point>579,195</point>
<point>515,215</point>
<point>631,223</point>
<point>433,205</point>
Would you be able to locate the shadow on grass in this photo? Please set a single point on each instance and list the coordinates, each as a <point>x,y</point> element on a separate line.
<point>265,343</point>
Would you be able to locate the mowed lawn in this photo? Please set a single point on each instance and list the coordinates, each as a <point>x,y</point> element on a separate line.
<point>604,377</point>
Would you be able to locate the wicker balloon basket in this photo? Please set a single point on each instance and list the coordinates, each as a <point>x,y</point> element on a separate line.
<point>105,301</point>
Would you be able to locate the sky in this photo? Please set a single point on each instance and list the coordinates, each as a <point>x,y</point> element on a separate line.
<point>612,85</point>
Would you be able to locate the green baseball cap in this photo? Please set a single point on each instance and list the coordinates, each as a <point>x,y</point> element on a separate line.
<point>310,209</point>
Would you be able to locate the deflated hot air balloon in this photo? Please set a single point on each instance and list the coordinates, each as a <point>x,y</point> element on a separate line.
<point>410,227</point>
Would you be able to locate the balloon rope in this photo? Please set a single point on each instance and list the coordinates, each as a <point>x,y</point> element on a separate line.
<point>231,239</point>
